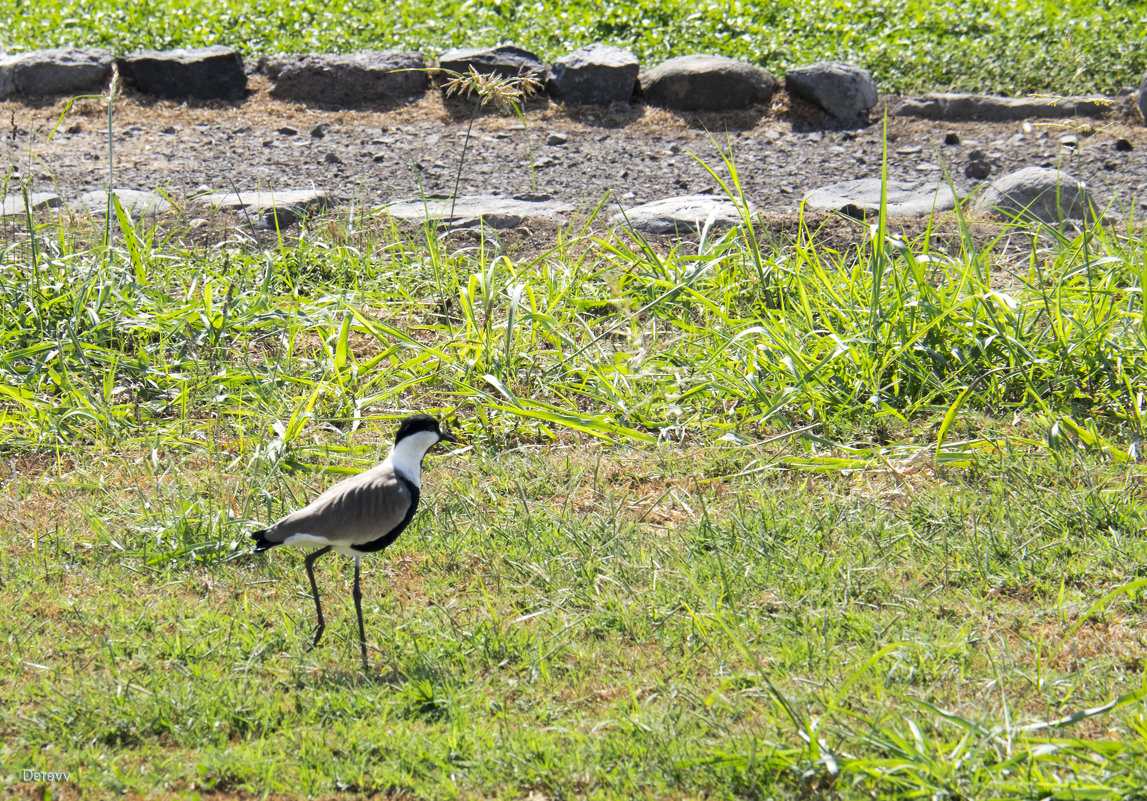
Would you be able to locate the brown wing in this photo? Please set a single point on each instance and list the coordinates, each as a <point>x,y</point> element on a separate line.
<point>354,511</point>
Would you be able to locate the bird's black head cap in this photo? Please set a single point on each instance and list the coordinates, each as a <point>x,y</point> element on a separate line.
<point>420,422</point>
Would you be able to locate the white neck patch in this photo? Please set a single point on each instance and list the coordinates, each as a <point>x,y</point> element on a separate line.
<point>407,455</point>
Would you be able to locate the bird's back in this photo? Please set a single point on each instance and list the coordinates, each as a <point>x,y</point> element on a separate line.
<point>363,513</point>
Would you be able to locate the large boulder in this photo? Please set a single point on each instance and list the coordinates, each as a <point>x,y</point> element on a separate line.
<point>1047,195</point>
<point>707,83</point>
<point>469,211</point>
<point>846,92</point>
<point>134,202</point>
<point>15,205</point>
<point>261,200</point>
<point>1143,98</point>
<point>336,80</point>
<point>685,214</point>
<point>200,73</point>
<point>594,75</point>
<point>861,198</point>
<point>958,107</point>
<point>63,71</point>
<point>506,61</point>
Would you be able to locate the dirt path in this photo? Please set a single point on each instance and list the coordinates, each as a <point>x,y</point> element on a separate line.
<point>638,154</point>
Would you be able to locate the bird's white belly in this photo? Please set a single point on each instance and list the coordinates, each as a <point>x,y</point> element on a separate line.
<point>304,540</point>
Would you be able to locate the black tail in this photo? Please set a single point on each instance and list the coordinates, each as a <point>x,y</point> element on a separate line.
<point>261,541</point>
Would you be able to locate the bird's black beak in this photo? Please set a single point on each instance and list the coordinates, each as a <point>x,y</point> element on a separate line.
<point>446,436</point>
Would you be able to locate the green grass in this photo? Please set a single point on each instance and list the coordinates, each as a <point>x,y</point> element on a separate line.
<point>1063,48</point>
<point>740,518</point>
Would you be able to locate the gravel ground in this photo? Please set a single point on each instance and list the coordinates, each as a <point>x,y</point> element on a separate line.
<point>636,153</point>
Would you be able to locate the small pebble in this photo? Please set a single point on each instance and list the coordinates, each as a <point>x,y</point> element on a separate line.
<point>1123,145</point>
<point>952,138</point>
<point>331,158</point>
<point>277,218</point>
<point>978,170</point>
<point>318,132</point>
<point>287,130</point>
<point>557,139</point>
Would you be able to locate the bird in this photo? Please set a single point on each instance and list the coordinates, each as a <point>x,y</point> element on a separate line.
<point>362,514</point>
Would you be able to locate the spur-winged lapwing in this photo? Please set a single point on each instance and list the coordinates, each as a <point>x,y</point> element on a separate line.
<point>362,514</point>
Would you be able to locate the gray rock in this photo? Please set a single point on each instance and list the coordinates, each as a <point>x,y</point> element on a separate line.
<point>685,214</point>
<point>201,73</point>
<point>1047,195</point>
<point>978,169</point>
<point>134,202</point>
<point>62,71</point>
<point>383,75</point>
<point>13,205</point>
<point>988,108</point>
<point>470,211</point>
<point>278,219</point>
<point>861,198</point>
<point>297,201</point>
<point>594,75</point>
<point>846,92</point>
<point>707,83</point>
<point>506,61</point>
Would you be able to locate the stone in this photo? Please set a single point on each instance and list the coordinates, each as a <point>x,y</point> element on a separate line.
<point>988,108</point>
<point>1123,145</point>
<point>1047,195</point>
<point>469,211</point>
<point>62,71</point>
<point>977,169</point>
<point>556,139</point>
<point>846,92</point>
<point>200,73</point>
<point>278,219</point>
<point>595,75</point>
<point>707,83</point>
<point>506,61</point>
<point>13,205</point>
<point>134,202</point>
<point>684,214</point>
<point>299,201</point>
<point>348,80</point>
<point>861,198</point>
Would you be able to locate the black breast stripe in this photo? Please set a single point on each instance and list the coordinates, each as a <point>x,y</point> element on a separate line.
<point>377,545</point>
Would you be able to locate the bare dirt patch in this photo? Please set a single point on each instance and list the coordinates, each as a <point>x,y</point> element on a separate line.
<point>632,153</point>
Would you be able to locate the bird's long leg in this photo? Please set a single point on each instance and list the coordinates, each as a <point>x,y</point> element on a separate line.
<point>358,608</point>
<point>310,563</point>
